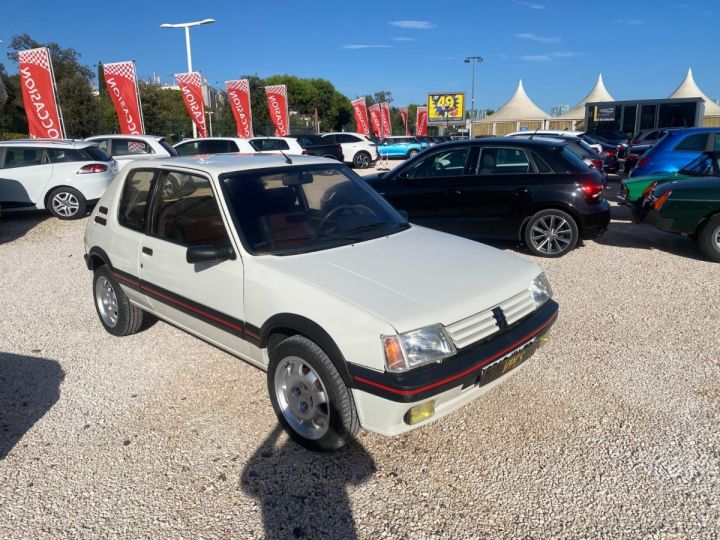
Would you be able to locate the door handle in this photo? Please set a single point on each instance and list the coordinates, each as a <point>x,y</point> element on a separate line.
<point>522,191</point>
<point>453,193</point>
<point>147,251</point>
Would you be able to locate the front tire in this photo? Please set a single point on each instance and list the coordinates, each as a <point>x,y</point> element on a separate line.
<point>117,315</point>
<point>709,239</point>
<point>551,233</point>
<point>66,203</point>
<point>362,160</point>
<point>309,397</point>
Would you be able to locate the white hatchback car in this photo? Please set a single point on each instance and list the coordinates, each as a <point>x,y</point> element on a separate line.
<point>359,150</point>
<point>62,176</point>
<point>277,145</point>
<point>214,145</point>
<point>127,148</point>
<point>301,269</point>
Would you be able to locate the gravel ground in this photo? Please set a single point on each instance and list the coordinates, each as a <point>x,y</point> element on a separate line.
<point>610,431</point>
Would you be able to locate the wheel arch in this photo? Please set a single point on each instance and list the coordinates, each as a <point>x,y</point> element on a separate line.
<point>96,258</point>
<point>290,324</point>
<point>701,224</point>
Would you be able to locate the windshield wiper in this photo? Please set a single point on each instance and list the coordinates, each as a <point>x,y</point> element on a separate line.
<point>366,227</point>
<point>268,243</point>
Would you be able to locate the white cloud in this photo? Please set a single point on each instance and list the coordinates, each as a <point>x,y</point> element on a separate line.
<point>403,39</point>
<point>631,22</point>
<point>364,46</point>
<point>530,5</point>
<point>415,25</point>
<point>549,57</point>
<point>535,37</point>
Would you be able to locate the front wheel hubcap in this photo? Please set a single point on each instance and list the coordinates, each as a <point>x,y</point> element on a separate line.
<point>65,204</point>
<point>106,301</point>
<point>302,397</point>
<point>551,234</point>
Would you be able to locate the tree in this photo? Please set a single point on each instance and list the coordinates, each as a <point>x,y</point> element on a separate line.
<point>74,85</point>
<point>164,112</point>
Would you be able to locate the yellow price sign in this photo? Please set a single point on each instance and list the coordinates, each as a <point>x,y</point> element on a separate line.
<point>446,106</point>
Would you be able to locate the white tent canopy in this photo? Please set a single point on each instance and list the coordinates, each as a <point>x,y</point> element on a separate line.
<point>519,107</point>
<point>598,93</point>
<point>689,88</point>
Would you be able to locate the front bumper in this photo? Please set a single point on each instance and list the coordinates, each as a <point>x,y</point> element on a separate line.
<point>653,218</point>
<point>382,399</point>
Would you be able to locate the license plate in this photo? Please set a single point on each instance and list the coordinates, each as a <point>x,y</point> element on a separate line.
<point>504,365</point>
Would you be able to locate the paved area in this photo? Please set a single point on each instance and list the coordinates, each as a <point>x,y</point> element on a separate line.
<point>610,431</point>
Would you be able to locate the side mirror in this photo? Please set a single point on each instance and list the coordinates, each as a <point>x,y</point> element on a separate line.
<point>209,253</point>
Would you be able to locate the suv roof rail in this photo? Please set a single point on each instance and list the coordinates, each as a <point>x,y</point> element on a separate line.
<point>45,141</point>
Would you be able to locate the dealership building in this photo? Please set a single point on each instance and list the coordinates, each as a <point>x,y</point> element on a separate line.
<point>687,106</point>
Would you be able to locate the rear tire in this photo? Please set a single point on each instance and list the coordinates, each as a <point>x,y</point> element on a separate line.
<point>362,160</point>
<point>66,203</point>
<point>709,238</point>
<point>309,396</point>
<point>551,233</point>
<point>412,153</point>
<point>117,315</point>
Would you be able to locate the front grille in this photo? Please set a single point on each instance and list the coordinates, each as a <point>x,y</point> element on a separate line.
<point>484,324</point>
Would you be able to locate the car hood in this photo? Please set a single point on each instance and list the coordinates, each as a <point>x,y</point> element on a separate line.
<point>413,278</point>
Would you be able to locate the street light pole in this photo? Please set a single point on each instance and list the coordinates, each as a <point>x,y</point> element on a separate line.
<point>473,60</point>
<point>188,52</point>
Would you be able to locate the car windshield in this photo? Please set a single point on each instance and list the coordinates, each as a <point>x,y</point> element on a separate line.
<point>700,166</point>
<point>292,210</point>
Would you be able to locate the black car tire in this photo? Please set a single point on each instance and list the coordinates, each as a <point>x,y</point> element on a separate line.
<point>362,160</point>
<point>709,238</point>
<point>412,153</point>
<point>128,317</point>
<point>66,203</point>
<point>551,233</point>
<point>299,352</point>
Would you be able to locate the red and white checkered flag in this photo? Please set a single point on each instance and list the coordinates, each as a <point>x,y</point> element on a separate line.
<point>192,79</point>
<point>122,85</point>
<point>278,107</point>
<point>120,69</point>
<point>239,98</point>
<point>191,87</point>
<point>36,57</point>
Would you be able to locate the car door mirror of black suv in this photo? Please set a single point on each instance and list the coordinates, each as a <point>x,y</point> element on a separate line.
<point>209,253</point>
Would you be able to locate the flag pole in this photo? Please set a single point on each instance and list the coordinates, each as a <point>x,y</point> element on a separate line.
<point>57,94</point>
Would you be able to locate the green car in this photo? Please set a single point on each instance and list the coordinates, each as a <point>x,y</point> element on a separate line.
<point>633,190</point>
<point>689,207</point>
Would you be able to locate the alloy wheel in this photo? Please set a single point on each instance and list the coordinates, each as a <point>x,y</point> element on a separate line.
<point>551,234</point>
<point>106,301</point>
<point>65,204</point>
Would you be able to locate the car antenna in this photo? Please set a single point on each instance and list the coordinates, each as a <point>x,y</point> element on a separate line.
<point>287,159</point>
<point>534,133</point>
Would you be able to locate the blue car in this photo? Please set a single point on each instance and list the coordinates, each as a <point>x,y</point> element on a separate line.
<point>402,147</point>
<point>676,149</point>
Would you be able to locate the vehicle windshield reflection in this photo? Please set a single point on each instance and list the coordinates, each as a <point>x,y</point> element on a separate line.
<point>306,208</point>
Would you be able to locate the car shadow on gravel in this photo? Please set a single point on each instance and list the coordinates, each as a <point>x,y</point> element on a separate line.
<point>14,226</point>
<point>639,236</point>
<point>29,387</point>
<point>303,494</point>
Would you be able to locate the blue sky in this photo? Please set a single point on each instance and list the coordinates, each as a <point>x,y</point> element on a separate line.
<point>557,47</point>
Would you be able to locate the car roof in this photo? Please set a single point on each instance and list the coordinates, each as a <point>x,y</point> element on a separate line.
<point>683,131</point>
<point>215,139</point>
<point>60,143</point>
<point>503,141</point>
<point>119,136</point>
<point>217,164</point>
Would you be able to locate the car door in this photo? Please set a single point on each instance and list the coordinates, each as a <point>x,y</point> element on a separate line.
<point>499,192</point>
<point>25,173</point>
<point>205,298</point>
<point>430,189</point>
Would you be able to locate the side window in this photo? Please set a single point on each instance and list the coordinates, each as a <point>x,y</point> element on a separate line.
<point>215,147</point>
<point>65,155</point>
<point>188,149</point>
<point>24,157</point>
<point>186,211</point>
<point>130,147</point>
<point>503,161</point>
<point>346,139</point>
<point>439,164</point>
<point>275,144</point>
<point>104,145</point>
<point>331,139</point>
<point>693,143</point>
<point>716,145</point>
<point>541,165</point>
<point>132,212</point>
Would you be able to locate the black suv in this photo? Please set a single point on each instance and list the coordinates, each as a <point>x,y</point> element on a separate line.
<point>538,192</point>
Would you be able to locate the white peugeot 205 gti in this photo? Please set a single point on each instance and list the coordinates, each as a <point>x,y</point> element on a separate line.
<point>298,267</point>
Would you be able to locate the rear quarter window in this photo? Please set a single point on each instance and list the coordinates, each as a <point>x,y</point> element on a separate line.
<point>572,161</point>
<point>94,153</point>
<point>693,143</point>
<point>132,211</point>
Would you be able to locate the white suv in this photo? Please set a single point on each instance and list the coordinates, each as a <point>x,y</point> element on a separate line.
<point>214,145</point>
<point>60,176</point>
<point>358,150</point>
<point>301,269</point>
<point>127,148</point>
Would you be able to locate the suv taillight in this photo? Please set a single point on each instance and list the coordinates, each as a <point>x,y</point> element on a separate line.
<point>609,153</point>
<point>597,163</point>
<point>93,168</point>
<point>592,190</point>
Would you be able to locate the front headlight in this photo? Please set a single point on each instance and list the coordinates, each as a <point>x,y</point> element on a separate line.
<point>417,347</point>
<point>541,290</point>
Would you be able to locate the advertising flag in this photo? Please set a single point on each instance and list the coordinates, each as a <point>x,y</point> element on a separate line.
<point>360,108</point>
<point>39,97</point>
<point>387,126</point>
<point>122,85</point>
<point>403,117</point>
<point>376,120</point>
<point>278,107</point>
<point>239,97</point>
<point>422,121</point>
<point>191,87</point>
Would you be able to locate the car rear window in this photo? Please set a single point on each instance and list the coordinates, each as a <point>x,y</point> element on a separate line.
<point>574,162</point>
<point>95,154</point>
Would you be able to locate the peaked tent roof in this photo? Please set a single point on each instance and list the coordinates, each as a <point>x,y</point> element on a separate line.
<point>598,93</point>
<point>689,88</point>
<point>519,107</point>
